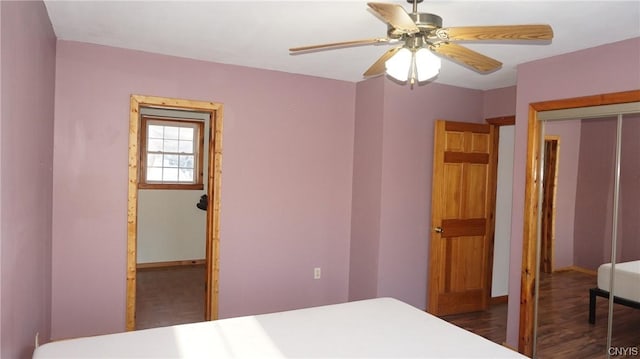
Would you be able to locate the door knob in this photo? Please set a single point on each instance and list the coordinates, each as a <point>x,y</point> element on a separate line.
<point>439,230</point>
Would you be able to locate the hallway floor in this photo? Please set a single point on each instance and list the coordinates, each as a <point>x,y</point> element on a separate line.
<point>168,296</point>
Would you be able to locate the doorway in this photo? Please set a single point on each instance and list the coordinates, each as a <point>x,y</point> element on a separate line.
<point>212,179</point>
<point>477,219</point>
<point>462,207</point>
<point>503,187</point>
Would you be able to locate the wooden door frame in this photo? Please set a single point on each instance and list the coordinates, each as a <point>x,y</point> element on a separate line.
<point>548,250</point>
<point>213,190</point>
<point>530,230</point>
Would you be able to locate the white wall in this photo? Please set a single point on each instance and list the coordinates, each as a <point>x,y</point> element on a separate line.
<point>170,226</point>
<point>500,281</point>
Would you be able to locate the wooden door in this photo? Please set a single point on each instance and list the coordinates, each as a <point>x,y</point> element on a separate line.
<point>463,201</point>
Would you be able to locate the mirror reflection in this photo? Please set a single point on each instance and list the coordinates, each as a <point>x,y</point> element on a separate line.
<point>625,316</point>
<point>576,238</point>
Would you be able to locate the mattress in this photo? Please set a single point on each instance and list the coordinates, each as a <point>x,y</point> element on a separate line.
<point>626,282</point>
<point>374,328</point>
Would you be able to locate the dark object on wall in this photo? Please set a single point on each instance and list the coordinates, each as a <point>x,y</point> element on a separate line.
<point>204,202</point>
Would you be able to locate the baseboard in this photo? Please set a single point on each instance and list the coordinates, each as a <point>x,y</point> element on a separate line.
<point>499,300</point>
<point>576,269</point>
<point>188,262</point>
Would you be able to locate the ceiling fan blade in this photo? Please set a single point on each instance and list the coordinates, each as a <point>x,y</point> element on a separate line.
<point>339,44</point>
<point>395,16</point>
<point>509,32</point>
<point>465,56</point>
<point>378,67</point>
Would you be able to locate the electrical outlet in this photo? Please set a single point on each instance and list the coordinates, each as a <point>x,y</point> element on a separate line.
<point>317,273</point>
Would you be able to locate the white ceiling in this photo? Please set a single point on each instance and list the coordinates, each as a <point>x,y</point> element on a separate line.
<point>259,33</point>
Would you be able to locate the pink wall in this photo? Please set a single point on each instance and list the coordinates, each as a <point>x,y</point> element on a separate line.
<point>569,133</point>
<point>392,180</point>
<point>629,221</point>
<point>594,193</point>
<point>407,156</point>
<point>28,49</point>
<point>286,185</point>
<point>604,69</point>
<point>594,204</point>
<point>1,190</point>
<point>499,102</point>
<point>367,183</point>
<point>1,117</point>
<point>392,183</point>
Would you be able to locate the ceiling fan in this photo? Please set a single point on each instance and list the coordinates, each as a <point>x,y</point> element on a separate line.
<point>421,35</point>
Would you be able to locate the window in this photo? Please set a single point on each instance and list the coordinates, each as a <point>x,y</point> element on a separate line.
<point>171,152</point>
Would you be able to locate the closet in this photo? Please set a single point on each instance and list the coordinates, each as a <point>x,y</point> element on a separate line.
<point>597,222</point>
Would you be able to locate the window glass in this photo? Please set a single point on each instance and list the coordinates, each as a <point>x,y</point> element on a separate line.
<point>172,152</point>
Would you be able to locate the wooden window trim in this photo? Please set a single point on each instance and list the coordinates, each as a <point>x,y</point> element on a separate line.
<point>178,186</point>
<point>199,153</point>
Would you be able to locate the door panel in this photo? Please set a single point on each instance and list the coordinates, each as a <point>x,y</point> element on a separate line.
<point>480,143</point>
<point>462,249</point>
<point>475,192</point>
<point>451,200</point>
<point>454,141</point>
<point>462,218</point>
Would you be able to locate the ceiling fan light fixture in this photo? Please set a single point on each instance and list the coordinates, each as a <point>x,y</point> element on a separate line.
<point>427,64</point>
<point>420,65</point>
<point>399,65</point>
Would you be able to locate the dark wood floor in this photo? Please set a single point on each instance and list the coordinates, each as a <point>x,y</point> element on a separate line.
<point>563,327</point>
<point>491,324</point>
<point>169,296</point>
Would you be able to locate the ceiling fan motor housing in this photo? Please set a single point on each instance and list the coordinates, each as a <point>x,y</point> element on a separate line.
<point>427,23</point>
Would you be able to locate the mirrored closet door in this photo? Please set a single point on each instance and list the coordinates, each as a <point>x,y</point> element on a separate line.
<point>625,315</point>
<point>588,233</point>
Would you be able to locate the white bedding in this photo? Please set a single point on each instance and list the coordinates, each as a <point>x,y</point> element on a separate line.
<point>372,328</point>
<point>626,282</point>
